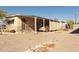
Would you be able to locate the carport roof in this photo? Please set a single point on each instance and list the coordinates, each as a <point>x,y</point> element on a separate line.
<point>31,16</point>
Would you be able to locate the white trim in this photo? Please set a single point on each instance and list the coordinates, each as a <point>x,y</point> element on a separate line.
<point>44,25</point>
<point>35,20</point>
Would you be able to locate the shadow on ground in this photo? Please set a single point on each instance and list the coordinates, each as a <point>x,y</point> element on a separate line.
<point>75,31</point>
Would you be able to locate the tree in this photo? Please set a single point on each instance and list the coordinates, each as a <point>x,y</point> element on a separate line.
<point>2,14</point>
<point>70,23</point>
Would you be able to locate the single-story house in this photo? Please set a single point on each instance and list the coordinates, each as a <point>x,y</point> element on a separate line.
<point>27,23</point>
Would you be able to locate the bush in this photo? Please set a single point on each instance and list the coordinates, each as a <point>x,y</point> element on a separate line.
<point>70,23</point>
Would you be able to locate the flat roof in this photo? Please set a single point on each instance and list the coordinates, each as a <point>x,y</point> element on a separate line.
<point>31,16</point>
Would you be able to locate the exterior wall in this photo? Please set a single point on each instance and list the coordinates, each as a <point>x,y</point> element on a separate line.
<point>10,26</point>
<point>52,25</point>
<point>64,25</point>
<point>56,25</point>
<point>61,25</point>
<point>16,25</point>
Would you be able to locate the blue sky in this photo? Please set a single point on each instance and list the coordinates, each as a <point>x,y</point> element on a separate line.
<point>60,12</point>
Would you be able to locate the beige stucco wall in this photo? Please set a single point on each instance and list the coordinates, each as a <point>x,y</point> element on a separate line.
<point>56,25</point>
<point>53,25</point>
<point>17,25</point>
<point>61,25</point>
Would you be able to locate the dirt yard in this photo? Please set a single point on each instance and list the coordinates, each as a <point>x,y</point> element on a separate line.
<point>64,41</point>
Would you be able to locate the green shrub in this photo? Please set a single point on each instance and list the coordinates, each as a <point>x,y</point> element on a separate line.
<point>70,23</point>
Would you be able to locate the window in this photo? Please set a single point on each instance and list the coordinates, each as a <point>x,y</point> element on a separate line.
<point>11,22</point>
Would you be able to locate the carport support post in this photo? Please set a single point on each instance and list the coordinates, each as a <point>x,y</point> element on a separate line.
<point>50,25</point>
<point>35,20</point>
<point>44,25</point>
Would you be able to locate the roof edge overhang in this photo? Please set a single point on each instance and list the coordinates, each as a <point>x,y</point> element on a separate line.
<point>30,16</point>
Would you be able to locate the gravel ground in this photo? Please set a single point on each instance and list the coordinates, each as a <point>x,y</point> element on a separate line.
<point>21,42</point>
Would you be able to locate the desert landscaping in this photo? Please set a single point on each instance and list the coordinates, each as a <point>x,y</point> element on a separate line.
<point>25,42</point>
<point>41,31</point>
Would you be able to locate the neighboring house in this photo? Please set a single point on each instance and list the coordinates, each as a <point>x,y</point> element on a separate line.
<point>22,23</point>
